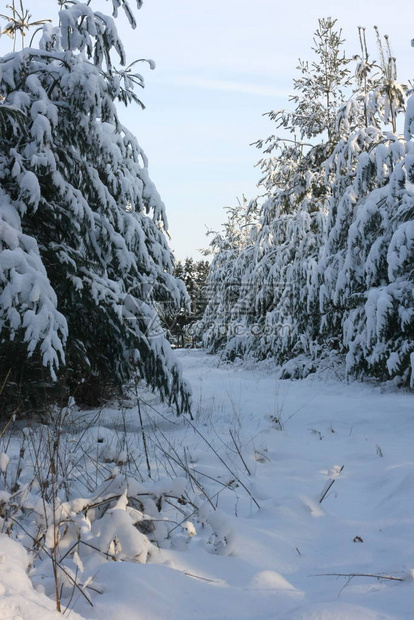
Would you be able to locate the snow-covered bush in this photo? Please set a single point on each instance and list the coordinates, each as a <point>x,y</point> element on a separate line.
<point>75,493</point>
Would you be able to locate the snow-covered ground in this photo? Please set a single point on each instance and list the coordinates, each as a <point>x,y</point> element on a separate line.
<point>286,490</point>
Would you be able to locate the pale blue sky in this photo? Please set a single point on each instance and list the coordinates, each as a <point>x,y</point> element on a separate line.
<point>220,65</point>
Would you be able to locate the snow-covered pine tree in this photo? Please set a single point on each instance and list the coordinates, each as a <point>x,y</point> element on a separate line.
<point>321,87</point>
<point>281,318</point>
<point>227,291</point>
<point>365,306</point>
<point>83,256</point>
<point>332,264</point>
<point>194,275</point>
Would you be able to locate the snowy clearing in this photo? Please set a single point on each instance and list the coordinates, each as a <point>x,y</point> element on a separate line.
<point>266,452</point>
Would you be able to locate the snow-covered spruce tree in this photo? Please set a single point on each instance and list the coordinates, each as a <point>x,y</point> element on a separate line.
<point>83,255</point>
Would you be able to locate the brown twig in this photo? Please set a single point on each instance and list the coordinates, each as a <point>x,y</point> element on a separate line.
<point>352,575</point>
<point>239,453</point>
<point>203,578</point>
<point>144,440</point>
<point>328,487</point>
<point>222,461</point>
<point>62,568</point>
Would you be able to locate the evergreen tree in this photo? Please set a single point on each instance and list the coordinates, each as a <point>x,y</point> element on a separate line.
<point>320,89</point>
<point>280,296</point>
<point>228,289</point>
<point>360,305</point>
<point>194,275</point>
<point>83,259</point>
<point>331,265</point>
